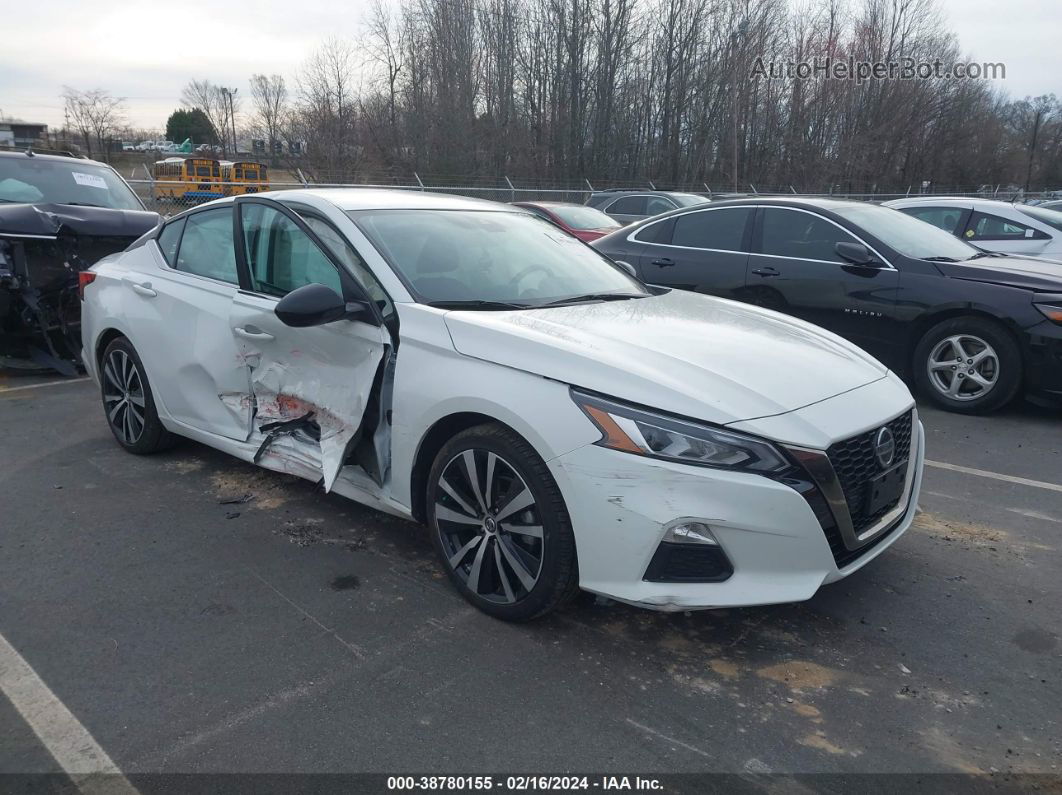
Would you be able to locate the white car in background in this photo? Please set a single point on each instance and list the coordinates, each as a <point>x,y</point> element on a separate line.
<point>1023,229</point>
<point>556,423</point>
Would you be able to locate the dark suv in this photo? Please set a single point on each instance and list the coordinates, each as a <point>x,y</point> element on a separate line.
<point>627,206</point>
<point>970,328</point>
<point>59,214</point>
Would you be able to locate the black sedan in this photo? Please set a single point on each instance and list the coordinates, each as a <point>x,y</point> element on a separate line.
<point>971,329</point>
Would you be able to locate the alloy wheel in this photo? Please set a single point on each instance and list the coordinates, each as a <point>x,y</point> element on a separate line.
<point>123,396</point>
<point>489,525</point>
<point>963,367</point>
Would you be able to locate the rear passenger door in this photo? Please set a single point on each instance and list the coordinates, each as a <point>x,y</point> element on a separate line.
<point>180,314</point>
<point>705,251</point>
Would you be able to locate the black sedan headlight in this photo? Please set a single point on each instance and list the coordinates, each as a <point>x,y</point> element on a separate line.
<point>641,432</point>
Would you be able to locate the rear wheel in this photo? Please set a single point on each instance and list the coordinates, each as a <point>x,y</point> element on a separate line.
<point>968,365</point>
<point>500,525</point>
<point>128,403</point>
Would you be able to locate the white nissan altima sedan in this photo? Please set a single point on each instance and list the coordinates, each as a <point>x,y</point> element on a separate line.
<point>554,422</point>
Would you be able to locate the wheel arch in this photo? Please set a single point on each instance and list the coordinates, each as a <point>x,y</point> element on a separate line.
<point>440,432</point>
<point>923,324</point>
<point>106,337</point>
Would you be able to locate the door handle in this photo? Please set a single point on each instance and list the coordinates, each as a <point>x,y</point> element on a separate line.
<point>664,262</point>
<point>253,333</point>
<point>766,272</point>
<point>143,289</point>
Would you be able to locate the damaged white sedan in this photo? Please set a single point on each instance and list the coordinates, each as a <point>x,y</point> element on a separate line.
<point>554,422</point>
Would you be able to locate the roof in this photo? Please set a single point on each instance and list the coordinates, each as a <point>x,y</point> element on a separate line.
<point>388,199</point>
<point>63,158</point>
<point>547,204</point>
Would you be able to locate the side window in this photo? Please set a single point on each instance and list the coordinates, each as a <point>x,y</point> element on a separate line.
<point>345,253</point>
<point>789,233</point>
<point>627,205</point>
<point>946,218</point>
<point>658,204</point>
<point>719,229</point>
<point>280,256</point>
<point>660,232</point>
<point>168,239</point>
<point>207,246</point>
<point>991,227</point>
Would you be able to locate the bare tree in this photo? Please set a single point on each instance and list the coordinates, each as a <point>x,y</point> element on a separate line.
<point>269,96</point>
<point>220,106</point>
<point>95,114</point>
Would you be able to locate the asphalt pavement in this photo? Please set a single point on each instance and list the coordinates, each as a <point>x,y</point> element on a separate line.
<point>296,632</point>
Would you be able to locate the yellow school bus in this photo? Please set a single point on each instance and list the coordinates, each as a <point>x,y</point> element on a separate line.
<point>188,180</point>
<point>244,176</point>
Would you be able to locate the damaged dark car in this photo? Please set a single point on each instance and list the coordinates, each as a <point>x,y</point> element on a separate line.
<point>59,215</point>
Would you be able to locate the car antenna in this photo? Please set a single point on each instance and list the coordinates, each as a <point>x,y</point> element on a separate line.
<point>29,152</point>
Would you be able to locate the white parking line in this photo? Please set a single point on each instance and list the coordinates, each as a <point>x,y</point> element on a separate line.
<point>981,473</point>
<point>70,743</point>
<point>4,389</point>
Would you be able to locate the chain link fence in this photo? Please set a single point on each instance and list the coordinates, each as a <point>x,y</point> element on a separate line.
<point>168,198</point>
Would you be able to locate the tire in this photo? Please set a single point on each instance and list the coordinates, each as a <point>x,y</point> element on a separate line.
<point>986,377</point>
<point>523,561</point>
<point>136,427</point>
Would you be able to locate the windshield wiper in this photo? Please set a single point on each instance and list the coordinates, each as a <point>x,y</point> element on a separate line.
<point>476,304</point>
<point>83,204</point>
<point>980,254</point>
<point>580,299</point>
<point>940,259</point>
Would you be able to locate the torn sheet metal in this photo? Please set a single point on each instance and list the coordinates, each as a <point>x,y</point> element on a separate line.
<point>320,402</point>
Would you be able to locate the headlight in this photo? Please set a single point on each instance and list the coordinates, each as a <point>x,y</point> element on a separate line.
<point>641,432</point>
<point>1052,313</point>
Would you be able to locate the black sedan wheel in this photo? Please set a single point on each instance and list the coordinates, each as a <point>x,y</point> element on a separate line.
<point>969,365</point>
<point>127,401</point>
<point>500,526</point>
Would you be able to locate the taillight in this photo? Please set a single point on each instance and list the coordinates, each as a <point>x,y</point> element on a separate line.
<point>84,278</point>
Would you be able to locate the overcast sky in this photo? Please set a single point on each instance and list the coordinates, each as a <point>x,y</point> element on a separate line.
<point>147,51</point>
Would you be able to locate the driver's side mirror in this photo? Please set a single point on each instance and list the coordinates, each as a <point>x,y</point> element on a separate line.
<point>858,254</point>
<point>316,305</point>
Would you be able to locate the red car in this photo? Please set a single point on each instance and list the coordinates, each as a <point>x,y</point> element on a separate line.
<point>586,223</point>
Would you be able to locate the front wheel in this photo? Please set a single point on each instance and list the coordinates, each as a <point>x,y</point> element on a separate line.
<point>969,365</point>
<point>500,526</point>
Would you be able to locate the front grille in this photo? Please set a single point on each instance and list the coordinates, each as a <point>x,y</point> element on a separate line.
<point>855,464</point>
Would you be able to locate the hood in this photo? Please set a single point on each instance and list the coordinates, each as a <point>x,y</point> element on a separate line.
<point>680,352</point>
<point>1029,273</point>
<point>47,219</point>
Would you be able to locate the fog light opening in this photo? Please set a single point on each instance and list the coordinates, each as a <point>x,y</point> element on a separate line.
<point>688,532</point>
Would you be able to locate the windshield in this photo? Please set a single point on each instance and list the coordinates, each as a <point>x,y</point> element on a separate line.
<point>1052,218</point>
<point>578,216</point>
<point>34,180</point>
<point>907,235</point>
<point>493,257</point>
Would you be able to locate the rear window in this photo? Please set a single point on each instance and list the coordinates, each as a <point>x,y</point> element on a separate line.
<point>1044,215</point>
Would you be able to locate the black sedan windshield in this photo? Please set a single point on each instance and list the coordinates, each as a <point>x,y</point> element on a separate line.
<point>35,180</point>
<point>491,259</point>
<point>907,235</point>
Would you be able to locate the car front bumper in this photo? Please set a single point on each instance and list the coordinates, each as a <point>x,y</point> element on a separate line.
<point>621,506</point>
<point>1043,361</point>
